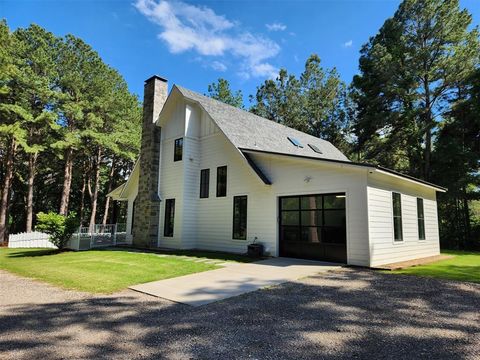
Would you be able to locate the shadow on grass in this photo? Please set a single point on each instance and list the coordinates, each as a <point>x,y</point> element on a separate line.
<point>21,253</point>
<point>215,255</point>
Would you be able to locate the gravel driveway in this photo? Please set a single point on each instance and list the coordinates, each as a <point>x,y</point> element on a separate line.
<point>357,314</point>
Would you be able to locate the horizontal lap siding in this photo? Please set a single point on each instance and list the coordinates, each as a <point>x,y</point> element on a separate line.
<point>382,247</point>
<point>215,214</point>
<point>171,176</point>
<point>288,178</point>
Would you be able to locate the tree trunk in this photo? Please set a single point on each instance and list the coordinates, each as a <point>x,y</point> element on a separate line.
<point>110,185</point>
<point>428,126</point>
<point>466,215</point>
<point>7,183</point>
<point>94,196</point>
<point>32,167</point>
<point>82,198</point>
<point>67,181</point>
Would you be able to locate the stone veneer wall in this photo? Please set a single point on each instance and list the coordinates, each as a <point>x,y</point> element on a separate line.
<point>147,204</point>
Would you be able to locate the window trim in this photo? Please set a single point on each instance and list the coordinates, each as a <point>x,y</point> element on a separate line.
<point>233,217</point>
<point>401,239</point>
<point>420,238</point>
<point>176,144</point>
<point>167,216</point>
<point>226,179</point>
<point>204,186</point>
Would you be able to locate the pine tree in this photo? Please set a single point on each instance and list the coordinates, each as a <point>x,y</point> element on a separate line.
<point>221,91</point>
<point>409,73</point>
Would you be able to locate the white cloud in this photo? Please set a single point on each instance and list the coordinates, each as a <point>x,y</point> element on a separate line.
<point>186,27</point>
<point>276,27</point>
<point>218,66</point>
<point>348,43</point>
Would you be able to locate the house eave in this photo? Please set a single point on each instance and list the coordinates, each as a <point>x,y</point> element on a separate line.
<point>377,168</point>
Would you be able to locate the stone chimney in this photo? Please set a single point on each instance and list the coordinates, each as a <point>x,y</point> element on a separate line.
<point>147,204</point>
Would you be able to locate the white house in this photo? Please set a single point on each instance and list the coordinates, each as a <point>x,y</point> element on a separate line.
<point>215,177</point>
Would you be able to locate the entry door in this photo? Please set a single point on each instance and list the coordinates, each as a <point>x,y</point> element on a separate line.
<point>313,227</point>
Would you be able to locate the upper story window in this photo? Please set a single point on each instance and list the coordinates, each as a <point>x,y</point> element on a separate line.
<point>421,219</point>
<point>397,217</point>
<point>178,150</point>
<point>221,181</point>
<point>204,183</point>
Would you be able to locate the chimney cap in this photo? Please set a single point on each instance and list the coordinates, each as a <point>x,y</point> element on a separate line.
<point>156,77</point>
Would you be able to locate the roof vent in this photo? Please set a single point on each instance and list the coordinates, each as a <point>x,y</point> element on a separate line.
<point>314,148</point>
<point>295,142</point>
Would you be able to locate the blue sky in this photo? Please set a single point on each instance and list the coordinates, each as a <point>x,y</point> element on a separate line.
<point>192,43</point>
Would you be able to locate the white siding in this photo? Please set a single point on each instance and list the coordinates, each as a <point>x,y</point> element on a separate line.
<point>383,249</point>
<point>171,173</point>
<point>191,162</point>
<point>289,175</point>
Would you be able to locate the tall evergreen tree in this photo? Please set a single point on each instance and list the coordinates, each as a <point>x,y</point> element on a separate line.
<point>37,55</point>
<point>315,103</point>
<point>409,73</point>
<point>456,166</point>
<point>221,91</point>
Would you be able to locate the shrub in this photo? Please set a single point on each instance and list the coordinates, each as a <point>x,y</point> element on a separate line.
<point>59,227</point>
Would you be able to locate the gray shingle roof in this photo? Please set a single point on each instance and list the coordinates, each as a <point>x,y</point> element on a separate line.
<point>248,131</point>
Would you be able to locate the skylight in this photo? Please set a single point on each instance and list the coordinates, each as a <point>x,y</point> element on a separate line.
<point>314,148</point>
<point>295,142</point>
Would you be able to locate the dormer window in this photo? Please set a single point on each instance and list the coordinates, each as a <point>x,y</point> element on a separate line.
<point>295,142</point>
<point>178,150</point>
<point>314,148</point>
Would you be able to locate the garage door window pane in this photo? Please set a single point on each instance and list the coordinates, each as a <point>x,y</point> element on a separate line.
<point>290,218</point>
<point>335,218</point>
<point>334,202</point>
<point>290,203</point>
<point>334,235</point>
<point>311,202</point>
<point>312,234</point>
<point>290,233</point>
<point>312,218</point>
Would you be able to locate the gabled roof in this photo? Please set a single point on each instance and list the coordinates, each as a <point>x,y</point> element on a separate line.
<point>249,131</point>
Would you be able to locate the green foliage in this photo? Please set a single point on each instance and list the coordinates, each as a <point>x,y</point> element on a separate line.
<point>61,109</point>
<point>59,227</point>
<point>417,109</point>
<point>221,91</point>
<point>316,103</point>
<point>96,271</point>
<point>409,74</point>
<point>464,266</point>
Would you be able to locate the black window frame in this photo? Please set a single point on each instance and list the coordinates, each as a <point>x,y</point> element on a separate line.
<point>169,223</point>
<point>242,220</point>
<point>323,209</point>
<point>421,219</point>
<point>178,150</point>
<point>397,217</point>
<point>204,183</point>
<point>222,186</point>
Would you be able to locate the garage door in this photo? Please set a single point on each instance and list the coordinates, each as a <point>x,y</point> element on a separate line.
<point>313,227</point>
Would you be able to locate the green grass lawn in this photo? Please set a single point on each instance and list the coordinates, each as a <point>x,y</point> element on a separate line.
<point>465,266</point>
<point>97,271</point>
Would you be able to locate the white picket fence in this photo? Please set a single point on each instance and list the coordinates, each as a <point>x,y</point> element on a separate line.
<point>34,239</point>
<point>84,239</point>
